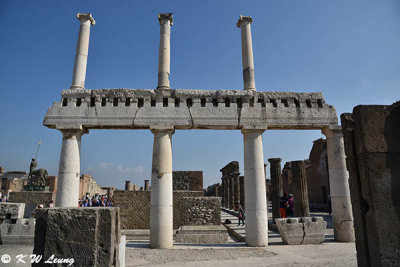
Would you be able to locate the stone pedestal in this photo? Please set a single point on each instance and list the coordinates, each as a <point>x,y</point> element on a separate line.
<point>342,214</point>
<point>69,169</point>
<point>256,202</point>
<point>247,52</point>
<point>276,184</point>
<point>302,231</point>
<point>166,21</point>
<point>82,48</point>
<point>300,191</point>
<point>161,217</point>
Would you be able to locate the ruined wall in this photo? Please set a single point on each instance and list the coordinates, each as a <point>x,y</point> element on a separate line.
<point>135,207</point>
<point>87,184</point>
<point>212,191</point>
<point>32,199</point>
<point>187,180</point>
<point>202,210</point>
<point>372,146</point>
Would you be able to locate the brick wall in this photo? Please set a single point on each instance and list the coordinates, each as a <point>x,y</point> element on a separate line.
<point>135,207</point>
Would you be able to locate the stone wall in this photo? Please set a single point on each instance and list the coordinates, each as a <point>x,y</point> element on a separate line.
<point>372,146</point>
<point>187,180</point>
<point>135,207</point>
<point>87,184</point>
<point>202,210</point>
<point>31,200</point>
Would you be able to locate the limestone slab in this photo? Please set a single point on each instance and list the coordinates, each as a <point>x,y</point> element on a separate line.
<point>302,231</point>
<point>11,210</point>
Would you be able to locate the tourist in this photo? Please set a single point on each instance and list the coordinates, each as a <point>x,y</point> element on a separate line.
<point>283,205</point>
<point>290,208</point>
<point>51,204</point>
<point>240,213</point>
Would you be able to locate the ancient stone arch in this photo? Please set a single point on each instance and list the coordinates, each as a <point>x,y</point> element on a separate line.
<point>164,110</point>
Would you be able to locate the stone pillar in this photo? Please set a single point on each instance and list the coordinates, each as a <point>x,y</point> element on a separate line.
<point>236,194</point>
<point>247,52</point>
<point>166,21</point>
<point>69,169</point>
<point>342,214</point>
<point>231,193</point>
<point>161,224</point>
<point>300,191</point>
<point>276,184</point>
<point>127,185</point>
<point>146,185</point>
<point>82,48</point>
<point>226,192</point>
<point>241,186</point>
<point>256,202</point>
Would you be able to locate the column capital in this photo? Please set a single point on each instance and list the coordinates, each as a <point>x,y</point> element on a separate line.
<point>332,131</point>
<point>165,16</point>
<point>162,128</point>
<point>243,19</point>
<point>82,17</point>
<point>253,128</point>
<point>73,133</point>
<point>275,160</point>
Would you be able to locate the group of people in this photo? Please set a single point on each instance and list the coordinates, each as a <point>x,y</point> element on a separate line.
<point>286,205</point>
<point>96,201</point>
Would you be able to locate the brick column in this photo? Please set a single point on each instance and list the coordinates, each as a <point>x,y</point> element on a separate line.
<point>300,191</point>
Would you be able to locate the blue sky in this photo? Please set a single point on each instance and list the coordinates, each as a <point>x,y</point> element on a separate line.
<point>349,50</point>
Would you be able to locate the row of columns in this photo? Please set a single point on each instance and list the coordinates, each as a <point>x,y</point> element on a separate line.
<point>161,229</point>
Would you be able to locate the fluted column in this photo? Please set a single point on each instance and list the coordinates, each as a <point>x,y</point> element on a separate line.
<point>244,23</point>
<point>254,187</point>
<point>161,219</point>
<point>166,21</point>
<point>342,214</point>
<point>82,49</point>
<point>69,169</point>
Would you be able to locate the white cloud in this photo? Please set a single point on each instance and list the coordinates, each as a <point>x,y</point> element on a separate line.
<point>104,165</point>
<point>123,169</point>
<point>138,169</point>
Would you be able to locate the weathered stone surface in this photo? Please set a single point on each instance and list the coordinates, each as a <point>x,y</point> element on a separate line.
<point>202,210</point>
<point>88,235</point>
<point>20,232</point>
<point>299,189</point>
<point>223,109</point>
<point>187,180</point>
<point>276,185</point>
<point>11,210</point>
<point>135,208</point>
<point>202,234</point>
<point>372,146</point>
<point>31,199</point>
<point>302,231</point>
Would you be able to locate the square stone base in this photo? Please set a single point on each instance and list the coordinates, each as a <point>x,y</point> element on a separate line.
<point>302,231</point>
<point>202,234</point>
<point>20,232</point>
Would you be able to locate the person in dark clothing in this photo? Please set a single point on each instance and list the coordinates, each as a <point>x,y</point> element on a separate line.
<point>290,208</point>
<point>240,214</point>
<point>283,204</point>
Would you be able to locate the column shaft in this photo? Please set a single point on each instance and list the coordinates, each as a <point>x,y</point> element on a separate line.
<point>69,169</point>
<point>300,190</point>
<point>82,50</point>
<point>161,218</point>
<point>247,53</point>
<point>236,189</point>
<point>276,184</point>
<point>165,20</point>
<point>342,214</point>
<point>254,186</point>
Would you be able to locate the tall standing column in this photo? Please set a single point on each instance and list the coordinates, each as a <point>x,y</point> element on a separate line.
<point>231,193</point>
<point>342,214</point>
<point>276,184</point>
<point>166,21</point>
<point>82,49</point>
<point>69,169</point>
<point>236,189</point>
<point>300,190</point>
<point>247,52</point>
<point>254,187</point>
<point>161,219</point>
<point>146,185</point>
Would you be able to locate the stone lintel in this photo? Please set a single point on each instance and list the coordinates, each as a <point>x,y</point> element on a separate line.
<point>243,19</point>
<point>167,16</point>
<point>86,16</point>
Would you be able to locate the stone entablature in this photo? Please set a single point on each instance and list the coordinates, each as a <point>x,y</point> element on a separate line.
<point>189,109</point>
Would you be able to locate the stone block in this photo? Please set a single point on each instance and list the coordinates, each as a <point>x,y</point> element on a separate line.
<point>302,231</point>
<point>20,232</point>
<point>202,210</point>
<point>202,234</point>
<point>88,235</point>
<point>11,211</point>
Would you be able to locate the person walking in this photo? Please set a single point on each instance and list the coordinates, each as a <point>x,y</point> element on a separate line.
<point>240,214</point>
<point>290,208</point>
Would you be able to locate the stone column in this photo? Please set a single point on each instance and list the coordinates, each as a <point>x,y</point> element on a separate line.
<point>231,193</point>
<point>276,184</point>
<point>166,21</point>
<point>69,169</point>
<point>82,48</point>
<point>236,189</point>
<point>242,197</point>
<point>247,52</point>
<point>300,191</point>
<point>127,185</point>
<point>342,214</point>
<point>161,219</point>
<point>254,187</point>
<point>146,185</point>
<point>227,192</point>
